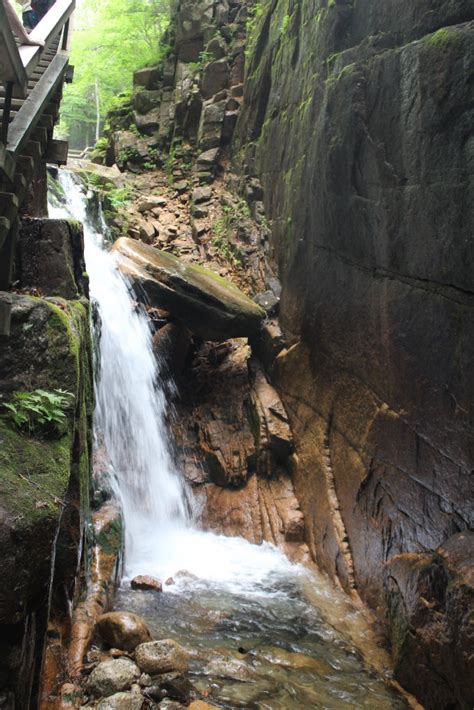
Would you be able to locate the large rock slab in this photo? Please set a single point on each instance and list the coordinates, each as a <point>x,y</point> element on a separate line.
<point>211,307</point>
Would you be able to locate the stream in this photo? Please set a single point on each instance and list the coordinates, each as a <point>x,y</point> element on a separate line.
<point>263,633</point>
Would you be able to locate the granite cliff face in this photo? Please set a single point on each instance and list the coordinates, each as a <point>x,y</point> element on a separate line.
<point>350,138</point>
<point>357,118</point>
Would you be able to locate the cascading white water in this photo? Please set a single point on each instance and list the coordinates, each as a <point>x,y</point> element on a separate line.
<point>130,406</point>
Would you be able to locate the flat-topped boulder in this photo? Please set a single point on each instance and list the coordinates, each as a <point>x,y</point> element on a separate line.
<point>210,306</point>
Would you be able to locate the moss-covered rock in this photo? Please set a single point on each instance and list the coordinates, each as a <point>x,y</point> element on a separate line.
<point>44,481</point>
<point>207,304</point>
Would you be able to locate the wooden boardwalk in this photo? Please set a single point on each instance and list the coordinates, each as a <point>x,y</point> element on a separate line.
<point>31,83</point>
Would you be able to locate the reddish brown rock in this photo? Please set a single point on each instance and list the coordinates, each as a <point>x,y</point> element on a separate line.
<point>145,582</point>
<point>123,630</point>
<point>171,345</point>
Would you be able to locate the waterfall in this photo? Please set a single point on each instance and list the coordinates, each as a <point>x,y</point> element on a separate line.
<point>129,419</point>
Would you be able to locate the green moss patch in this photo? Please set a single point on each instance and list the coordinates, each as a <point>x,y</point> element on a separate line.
<point>34,474</point>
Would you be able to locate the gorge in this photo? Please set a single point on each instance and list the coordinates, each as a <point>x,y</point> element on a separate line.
<point>272,250</point>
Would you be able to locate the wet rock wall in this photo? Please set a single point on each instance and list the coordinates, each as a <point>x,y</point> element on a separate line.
<point>357,120</point>
<point>44,474</point>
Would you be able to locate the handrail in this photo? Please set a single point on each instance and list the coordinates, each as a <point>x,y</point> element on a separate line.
<point>12,70</point>
<point>46,30</point>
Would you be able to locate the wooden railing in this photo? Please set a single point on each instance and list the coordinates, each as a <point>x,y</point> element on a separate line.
<point>19,64</point>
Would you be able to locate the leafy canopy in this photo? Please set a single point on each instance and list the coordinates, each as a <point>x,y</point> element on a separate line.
<point>111,40</point>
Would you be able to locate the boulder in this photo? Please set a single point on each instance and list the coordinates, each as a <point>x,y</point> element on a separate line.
<point>171,345</point>
<point>201,194</point>
<point>147,203</point>
<point>149,77</point>
<point>122,629</point>
<point>211,307</point>
<point>161,657</point>
<point>216,47</point>
<point>144,582</point>
<point>215,78</point>
<point>51,252</point>
<point>148,123</point>
<point>111,677</point>
<point>122,701</point>
<point>210,124</point>
<point>145,101</point>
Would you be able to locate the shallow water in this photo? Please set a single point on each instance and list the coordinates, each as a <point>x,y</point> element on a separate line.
<point>263,633</point>
<point>257,641</point>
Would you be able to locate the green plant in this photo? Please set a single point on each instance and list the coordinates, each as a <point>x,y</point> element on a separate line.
<point>225,228</point>
<point>38,412</point>
<point>285,24</point>
<point>119,197</point>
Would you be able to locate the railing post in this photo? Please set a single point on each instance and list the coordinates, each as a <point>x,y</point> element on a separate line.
<point>6,111</point>
<point>65,36</point>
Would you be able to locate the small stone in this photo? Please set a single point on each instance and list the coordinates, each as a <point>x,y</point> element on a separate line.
<point>161,657</point>
<point>123,630</point>
<point>237,90</point>
<point>173,686</point>
<point>181,186</point>
<point>200,705</point>
<point>144,582</point>
<point>209,157</point>
<point>268,301</point>
<point>201,194</point>
<point>169,581</point>
<point>147,232</point>
<point>121,701</point>
<point>200,212</point>
<point>151,202</point>
<point>145,681</point>
<point>111,677</point>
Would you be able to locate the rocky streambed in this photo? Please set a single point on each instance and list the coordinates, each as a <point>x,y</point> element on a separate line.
<point>278,638</point>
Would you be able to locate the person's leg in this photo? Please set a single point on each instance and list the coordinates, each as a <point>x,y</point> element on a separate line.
<point>17,27</point>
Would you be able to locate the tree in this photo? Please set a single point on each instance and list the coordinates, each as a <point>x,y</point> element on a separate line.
<point>111,40</point>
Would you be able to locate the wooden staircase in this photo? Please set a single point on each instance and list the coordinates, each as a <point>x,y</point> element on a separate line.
<point>31,80</point>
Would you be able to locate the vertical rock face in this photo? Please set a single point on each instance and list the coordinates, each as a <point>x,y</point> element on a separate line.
<point>357,119</point>
<point>44,473</point>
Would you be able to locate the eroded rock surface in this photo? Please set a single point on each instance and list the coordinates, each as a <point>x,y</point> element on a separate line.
<point>236,449</point>
<point>361,153</point>
<point>207,304</point>
<point>430,601</point>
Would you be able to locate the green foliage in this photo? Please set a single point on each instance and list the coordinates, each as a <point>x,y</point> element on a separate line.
<point>255,15</point>
<point>38,412</point>
<point>285,24</point>
<point>442,37</point>
<point>119,197</point>
<point>111,40</point>
<point>224,229</point>
<point>204,58</point>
